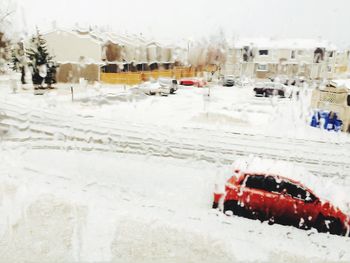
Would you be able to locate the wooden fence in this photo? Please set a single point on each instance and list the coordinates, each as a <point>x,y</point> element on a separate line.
<point>133,78</point>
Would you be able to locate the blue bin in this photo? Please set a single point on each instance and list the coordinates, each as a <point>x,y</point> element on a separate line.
<point>329,119</point>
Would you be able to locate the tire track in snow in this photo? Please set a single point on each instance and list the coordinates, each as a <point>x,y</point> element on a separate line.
<point>45,129</point>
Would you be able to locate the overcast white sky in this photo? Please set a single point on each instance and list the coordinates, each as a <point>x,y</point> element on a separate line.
<point>178,19</point>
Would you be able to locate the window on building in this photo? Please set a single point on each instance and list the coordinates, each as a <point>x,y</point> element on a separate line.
<point>318,55</point>
<point>284,68</point>
<point>262,67</point>
<point>330,54</point>
<point>263,52</point>
<point>247,53</point>
<point>329,68</point>
<point>300,53</point>
<point>292,55</point>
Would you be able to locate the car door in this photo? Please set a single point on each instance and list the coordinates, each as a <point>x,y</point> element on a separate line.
<point>271,196</point>
<point>257,196</point>
<point>292,204</point>
<point>305,206</point>
<point>251,196</point>
<point>281,205</point>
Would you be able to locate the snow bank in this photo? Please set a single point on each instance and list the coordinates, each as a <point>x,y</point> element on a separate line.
<point>42,232</point>
<point>153,241</point>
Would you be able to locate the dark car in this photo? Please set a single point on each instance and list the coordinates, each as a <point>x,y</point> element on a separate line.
<point>270,89</point>
<point>278,199</point>
<point>228,81</point>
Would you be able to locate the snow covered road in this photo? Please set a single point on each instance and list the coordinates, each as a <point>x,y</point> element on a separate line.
<point>132,181</point>
<point>50,129</point>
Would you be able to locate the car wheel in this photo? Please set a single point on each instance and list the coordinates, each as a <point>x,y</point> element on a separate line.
<point>232,205</point>
<point>256,215</point>
<point>330,225</point>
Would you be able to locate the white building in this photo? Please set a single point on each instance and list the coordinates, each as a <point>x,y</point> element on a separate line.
<point>263,58</point>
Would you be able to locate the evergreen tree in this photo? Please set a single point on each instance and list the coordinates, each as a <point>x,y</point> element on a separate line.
<point>43,67</point>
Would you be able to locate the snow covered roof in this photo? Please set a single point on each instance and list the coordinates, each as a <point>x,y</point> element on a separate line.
<point>280,43</point>
<point>133,40</point>
<point>79,34</point>
<point>341,83</point>
<point>73,47</point>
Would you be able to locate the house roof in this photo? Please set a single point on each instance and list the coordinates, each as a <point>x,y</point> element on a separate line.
<point>284,43</point>
<point>79,34</point>
<point>341,83</point>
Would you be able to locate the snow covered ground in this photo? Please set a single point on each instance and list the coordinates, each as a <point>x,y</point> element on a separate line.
<point>123,177</point>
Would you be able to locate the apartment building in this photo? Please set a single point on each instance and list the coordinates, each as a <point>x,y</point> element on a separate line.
<point>266,58</point>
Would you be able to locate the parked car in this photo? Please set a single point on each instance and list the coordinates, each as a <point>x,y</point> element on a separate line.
<point>169,82</point>
<point>244,82</point>
<point>281,200</point>
<point>193,82</point>
<point>155,88</point>
<point>268,89</point>
<point>228,81</point>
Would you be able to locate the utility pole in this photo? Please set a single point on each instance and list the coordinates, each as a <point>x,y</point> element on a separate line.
<point>71,91</point>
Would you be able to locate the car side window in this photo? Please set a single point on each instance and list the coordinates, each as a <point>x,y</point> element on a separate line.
<point>296,191</point>
<point>270,184</point>
<point>310,197</point>
<point>267,183</point>
<point>255,181</point>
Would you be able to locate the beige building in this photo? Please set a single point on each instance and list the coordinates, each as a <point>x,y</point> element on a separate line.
<point>265,58</point>
<point>87,54</point>
<point>78,54</point>
<point>342,62</point>
<point>334,98</point>
<point>135,53</point>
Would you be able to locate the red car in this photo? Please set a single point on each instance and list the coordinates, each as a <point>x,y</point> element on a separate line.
<point>281,200</point>
<point>193,82</point>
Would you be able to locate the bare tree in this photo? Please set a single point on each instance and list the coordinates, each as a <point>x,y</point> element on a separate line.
<point>7,10</point>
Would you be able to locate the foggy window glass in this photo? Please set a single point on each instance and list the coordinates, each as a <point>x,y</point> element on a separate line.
<point>147,131</point>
